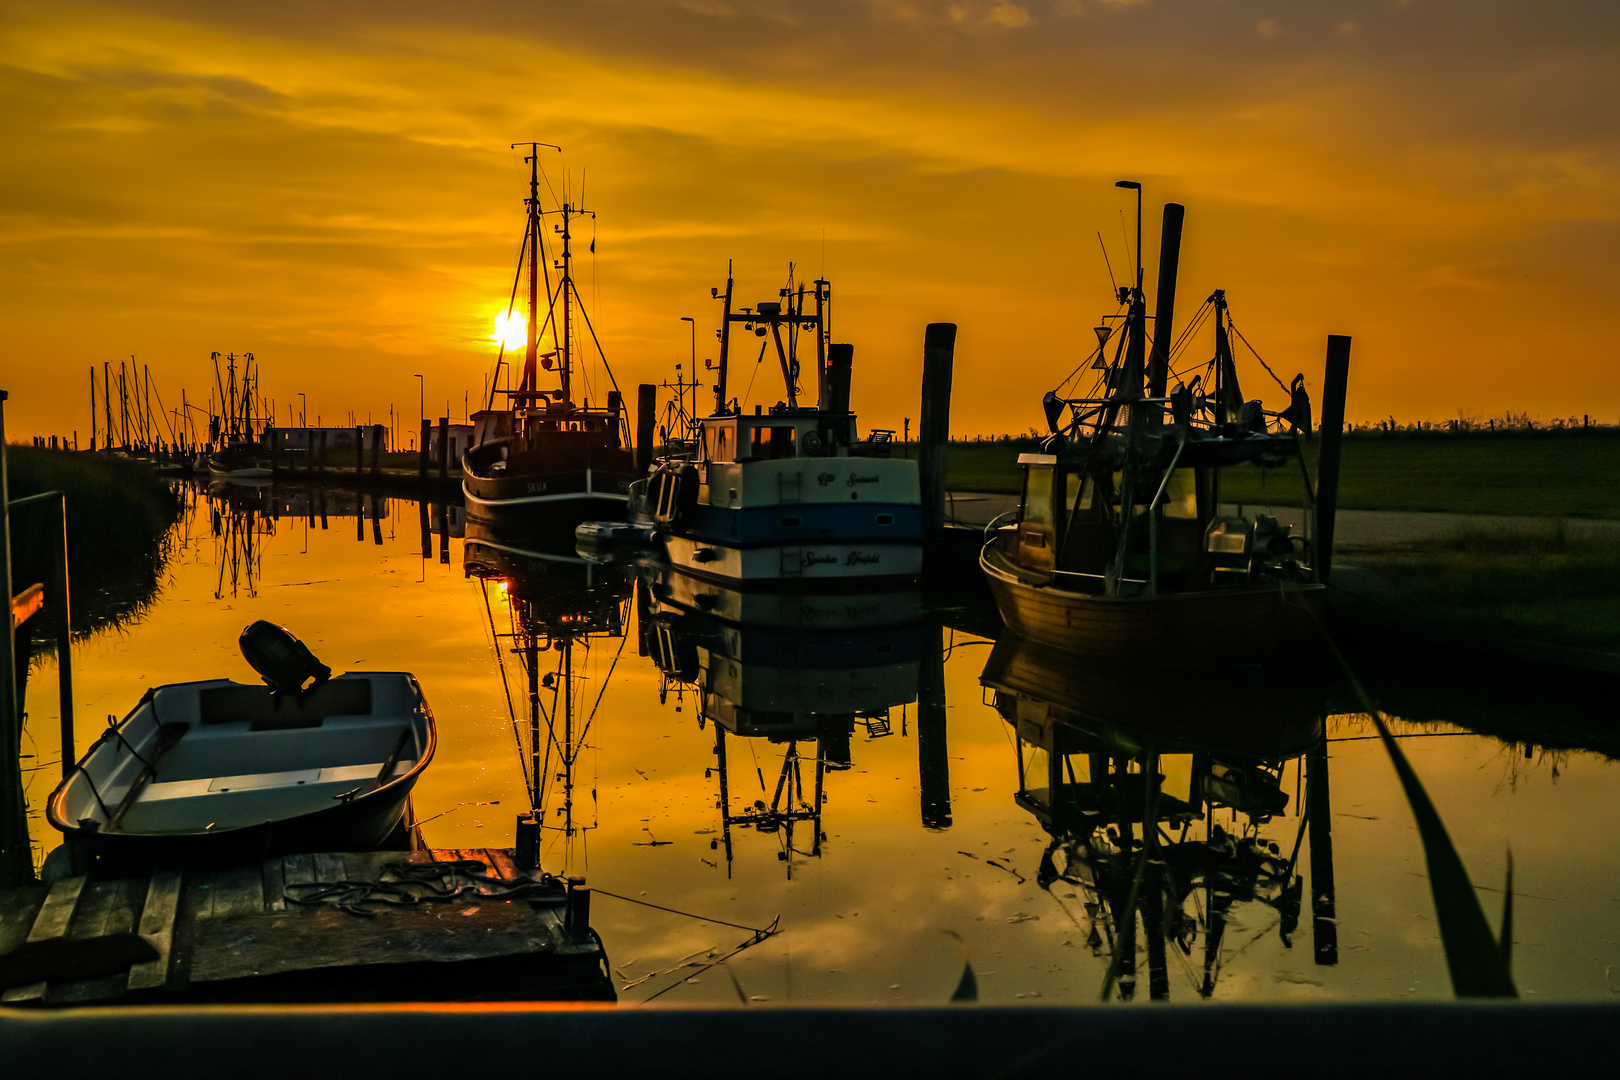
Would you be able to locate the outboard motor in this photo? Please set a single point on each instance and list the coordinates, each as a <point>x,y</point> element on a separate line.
<point>284,662</point>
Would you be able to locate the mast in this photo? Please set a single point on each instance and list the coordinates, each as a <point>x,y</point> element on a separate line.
<point>92,406</point>
<point>531,336</point>
<point>565,351</point>
<point>725,347</point>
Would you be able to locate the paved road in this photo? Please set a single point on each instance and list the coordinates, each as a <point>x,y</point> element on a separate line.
<point>1357,530</point>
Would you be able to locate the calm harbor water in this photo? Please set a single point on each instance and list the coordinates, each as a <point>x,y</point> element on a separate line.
<point>935,837</point>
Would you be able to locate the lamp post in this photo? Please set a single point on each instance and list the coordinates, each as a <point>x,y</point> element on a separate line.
<point>682,391</point>
<point>1132,185</point>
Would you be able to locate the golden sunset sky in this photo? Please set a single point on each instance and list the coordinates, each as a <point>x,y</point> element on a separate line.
<point>329,186</point>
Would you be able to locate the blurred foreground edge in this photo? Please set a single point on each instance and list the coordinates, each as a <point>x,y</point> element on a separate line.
<point>1317,1041</point>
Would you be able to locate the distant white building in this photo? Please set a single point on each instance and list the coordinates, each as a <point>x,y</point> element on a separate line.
<point>460,436</point>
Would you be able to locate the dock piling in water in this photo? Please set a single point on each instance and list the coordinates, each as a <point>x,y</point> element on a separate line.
<point>1335,380</point>
<point>444,447</point>
<point>646,418</point>
<point>934,428</point>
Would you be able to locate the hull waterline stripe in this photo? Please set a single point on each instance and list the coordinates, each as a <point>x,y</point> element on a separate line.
<point>529,500</point>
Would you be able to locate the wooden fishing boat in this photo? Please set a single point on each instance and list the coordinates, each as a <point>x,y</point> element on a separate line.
<point>546,462</point>
<point>790,494</point>
<point>219,772</point>
<point>1122,544</point>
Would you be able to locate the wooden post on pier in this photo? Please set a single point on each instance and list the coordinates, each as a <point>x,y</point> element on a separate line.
<point>321,465</point>
<point>1335,380</point>
<point>376,450</point>
<point>444,447</point>
<point>646,419</point>
<point>274,439</point>
<point>934,428</point>
<point>16,858</point>
<point>422,464</point>
<point>359,453</point>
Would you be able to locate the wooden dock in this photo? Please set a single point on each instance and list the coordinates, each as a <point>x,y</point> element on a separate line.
<point>439,925</point>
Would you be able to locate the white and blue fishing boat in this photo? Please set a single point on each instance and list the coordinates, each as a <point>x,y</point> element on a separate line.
<point>789,493</point>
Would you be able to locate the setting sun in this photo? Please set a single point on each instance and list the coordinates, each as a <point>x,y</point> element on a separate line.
<point>510,328</point>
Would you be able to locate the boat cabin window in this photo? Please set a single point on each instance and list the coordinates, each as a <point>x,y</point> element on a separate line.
<point>1035,763</point>
<point>1038,495</point>
<point>717,444</point>
<point>1081,495</point>
<point>773,442</point>
<point>1181,495</point>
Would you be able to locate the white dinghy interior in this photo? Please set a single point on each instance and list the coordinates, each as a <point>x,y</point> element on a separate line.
<point>208,757</point>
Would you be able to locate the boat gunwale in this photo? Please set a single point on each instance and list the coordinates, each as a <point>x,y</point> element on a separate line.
<point>55,803</point>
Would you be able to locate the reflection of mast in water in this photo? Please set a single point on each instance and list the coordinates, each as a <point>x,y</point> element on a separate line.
<point>1130,778</point>
<point>236,520</point>
<point>789,669</point>
<point>554,603</point>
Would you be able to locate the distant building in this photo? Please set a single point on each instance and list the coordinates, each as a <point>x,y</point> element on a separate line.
<point>460,436</point>
<point>337,438</point>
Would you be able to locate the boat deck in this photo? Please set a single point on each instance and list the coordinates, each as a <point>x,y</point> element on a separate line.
<point>438,925</point>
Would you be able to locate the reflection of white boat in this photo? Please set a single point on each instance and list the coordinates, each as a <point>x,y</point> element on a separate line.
<point>219,771</point>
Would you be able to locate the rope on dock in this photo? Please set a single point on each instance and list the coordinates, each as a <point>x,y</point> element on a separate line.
<point>408,878</point>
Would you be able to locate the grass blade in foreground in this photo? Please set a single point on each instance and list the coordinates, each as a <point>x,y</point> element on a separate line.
<point>1477,961</point>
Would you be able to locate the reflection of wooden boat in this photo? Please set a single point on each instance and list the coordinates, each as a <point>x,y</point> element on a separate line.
<point>1260,715</point>
<point>789,494</point>
<point>1121,544</point>
<point>1126,769</point>
<point>218,771</point>
<point>547,462</point>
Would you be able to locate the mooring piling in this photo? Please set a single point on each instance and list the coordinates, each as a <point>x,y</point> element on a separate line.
<point>646,419</point>
<point>444,447</point>
<point>1164,311</point>
<point>934,428</point>
<point>933,750</point>
<point>1335,380</point>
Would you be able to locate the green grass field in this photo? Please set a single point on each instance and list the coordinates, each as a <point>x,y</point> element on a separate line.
<point>1537,473</point>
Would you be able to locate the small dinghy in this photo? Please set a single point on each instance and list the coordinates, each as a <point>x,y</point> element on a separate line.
<point>217,772</point>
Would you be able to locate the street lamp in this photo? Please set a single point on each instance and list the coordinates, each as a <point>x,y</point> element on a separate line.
<point>1132,185</point>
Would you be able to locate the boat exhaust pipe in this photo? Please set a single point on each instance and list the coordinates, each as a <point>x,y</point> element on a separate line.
<point>1164,311</point>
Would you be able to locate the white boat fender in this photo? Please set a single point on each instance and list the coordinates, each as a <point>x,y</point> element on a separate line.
<point>284,662</point>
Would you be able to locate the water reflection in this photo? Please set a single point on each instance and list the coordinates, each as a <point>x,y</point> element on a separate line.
<point>969,830</point>
<point>1164,798</point>
<point>542,608</point>
<point>785,668</point>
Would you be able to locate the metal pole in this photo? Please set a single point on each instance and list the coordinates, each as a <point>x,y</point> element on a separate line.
<point>60,589</point>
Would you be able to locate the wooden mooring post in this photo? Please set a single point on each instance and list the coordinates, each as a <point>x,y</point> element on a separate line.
<point>1335,381</point>
<point>646,419</point>
<point>444,447</point>
<point>422,463</point>
<point>934,428</point>
<point>359,453</point>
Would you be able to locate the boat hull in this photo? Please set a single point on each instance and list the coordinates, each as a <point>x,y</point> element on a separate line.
<point>1217,626</point>
<point>315,818</point>
<point>546,505</point>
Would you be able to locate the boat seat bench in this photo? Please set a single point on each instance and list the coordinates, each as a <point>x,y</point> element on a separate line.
<point>249,798</point>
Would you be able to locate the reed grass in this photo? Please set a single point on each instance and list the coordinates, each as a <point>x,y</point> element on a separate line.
<point>120,517</point>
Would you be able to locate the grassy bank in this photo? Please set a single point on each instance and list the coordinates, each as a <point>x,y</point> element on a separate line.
<point>1539,585</point>
<point>119,517</point>
<point>1571,473</point>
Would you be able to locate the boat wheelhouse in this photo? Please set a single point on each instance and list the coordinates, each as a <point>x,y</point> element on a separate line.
<point>1131,536</point>
<point>547,462</point>
<point>789,493</point>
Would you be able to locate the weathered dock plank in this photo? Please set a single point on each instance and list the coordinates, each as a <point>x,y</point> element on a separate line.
<point>464,924</point>
<point>157,927</point>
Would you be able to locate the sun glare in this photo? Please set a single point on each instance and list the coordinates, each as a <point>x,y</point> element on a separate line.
<point>510,329</point>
